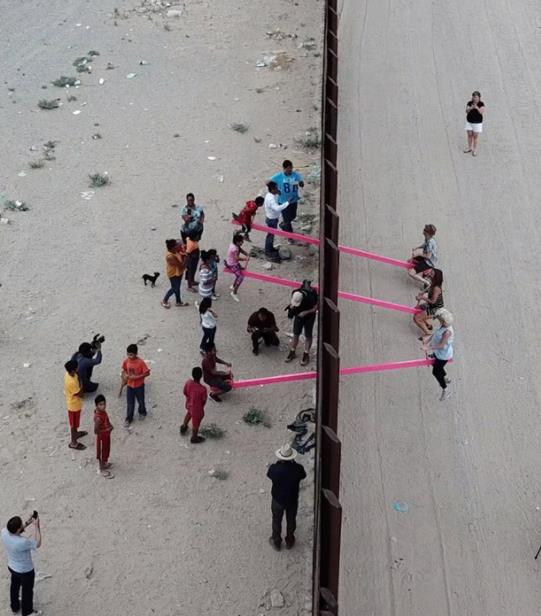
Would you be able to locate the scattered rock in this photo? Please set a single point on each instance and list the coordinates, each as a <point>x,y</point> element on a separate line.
<point>276,598</point>
<point>285,253</point>
<point>257,139</point>
<point>175,12</point>
<point>49,104</point>
<point>89,571</point>
<point>239,127</point>
<point>16,205</point>
<point>268,266</point>
<point>131,75</point>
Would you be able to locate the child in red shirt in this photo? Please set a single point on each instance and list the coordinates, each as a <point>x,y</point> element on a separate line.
<point>247,215</point>
<point>196,397</point>
<point>102,430</point>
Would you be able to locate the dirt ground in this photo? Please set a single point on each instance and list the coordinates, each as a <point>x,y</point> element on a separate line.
<point>164,536</point>
<point>466,470</point>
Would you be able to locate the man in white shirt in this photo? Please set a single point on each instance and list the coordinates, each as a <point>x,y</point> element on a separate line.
<point>272,214</point>
<point>20,563</point>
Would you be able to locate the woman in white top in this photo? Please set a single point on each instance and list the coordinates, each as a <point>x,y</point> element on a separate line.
<point>440,347</point>
<point>208,319</point>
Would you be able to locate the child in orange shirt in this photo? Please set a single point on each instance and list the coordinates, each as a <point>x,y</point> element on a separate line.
<point>102,430</point>
<point>134,373</point>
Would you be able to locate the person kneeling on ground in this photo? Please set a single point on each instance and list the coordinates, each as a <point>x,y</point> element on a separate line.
<point>302,309</point>
<point>88,356</point>
<point>219,382</point>
<point>425,256</point>
<point>196,397</point>
<point>262,324</point>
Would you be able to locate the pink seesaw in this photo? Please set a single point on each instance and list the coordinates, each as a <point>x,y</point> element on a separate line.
<point>307,239</point>
<point>306,376</point>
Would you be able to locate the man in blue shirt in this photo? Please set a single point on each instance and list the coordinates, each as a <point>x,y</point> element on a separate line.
<point>20,563</point>
<point>288,182</point>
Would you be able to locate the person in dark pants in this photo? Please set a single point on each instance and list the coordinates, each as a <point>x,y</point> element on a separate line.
<point>20,563</point>
<point>88,356</point>
<point>273,209</point>
<point>439,346</point>
<point>302,309</point>
<point>262,324</point>
<point>134,373</point>
<point>288,182</point>
<point>286,475</point>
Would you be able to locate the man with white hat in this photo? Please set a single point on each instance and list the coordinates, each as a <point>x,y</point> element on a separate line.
<point>302,309</point>
<point>286,475</point>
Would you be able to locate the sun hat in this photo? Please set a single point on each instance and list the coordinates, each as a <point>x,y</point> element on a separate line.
<point>296,299</point>
<point>286,452</point>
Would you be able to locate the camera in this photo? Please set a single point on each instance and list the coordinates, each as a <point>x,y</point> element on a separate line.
<point>97,341</point>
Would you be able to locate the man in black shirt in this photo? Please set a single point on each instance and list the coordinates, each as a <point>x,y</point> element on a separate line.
<point>302,309</point>
<point>262,324</point>
<point>286,475</point>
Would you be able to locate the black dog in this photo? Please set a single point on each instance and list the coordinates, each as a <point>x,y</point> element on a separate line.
<point>151,279</point>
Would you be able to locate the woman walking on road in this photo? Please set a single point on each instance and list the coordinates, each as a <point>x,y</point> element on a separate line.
<point>208,319</point>
<point>475,110</point>
<point>430,302</point>
<point>440,347</point>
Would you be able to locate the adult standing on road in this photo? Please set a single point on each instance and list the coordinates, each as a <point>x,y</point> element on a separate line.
<point>286,476</point>
<point>262,324</point>
<point>475,110</point>
<point>440,347</point>
<point>175,259</point>
<point>302,309</point>
<point>288,182</point>
<point>20,565</point>
<point>273,209</point>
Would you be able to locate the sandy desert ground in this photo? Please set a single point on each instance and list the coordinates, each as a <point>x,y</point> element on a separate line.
<point>466,469</point>
<point>162,537</point>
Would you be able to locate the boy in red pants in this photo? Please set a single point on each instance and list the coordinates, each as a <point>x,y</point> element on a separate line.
<point>196,397</point>
<point>102,430</point>
<point>246,216</point>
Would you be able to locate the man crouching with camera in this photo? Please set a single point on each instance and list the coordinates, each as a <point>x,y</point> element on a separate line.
<point>20,565</point>
<point>88,356</point>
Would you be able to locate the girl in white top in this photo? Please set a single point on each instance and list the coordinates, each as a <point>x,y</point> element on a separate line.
<point>208,319</point>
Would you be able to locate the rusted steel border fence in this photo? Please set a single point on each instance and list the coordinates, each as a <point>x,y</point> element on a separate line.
<point>328,511</point>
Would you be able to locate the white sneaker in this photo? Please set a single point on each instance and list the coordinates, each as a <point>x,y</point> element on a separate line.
<point>235,296</point>
<point>445,393</point>
<point>447,380</point>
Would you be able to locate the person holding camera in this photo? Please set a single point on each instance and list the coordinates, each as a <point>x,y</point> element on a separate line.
<point>302,309</point>
<point>88,356</point>
<point>20,565</point>
<point>193,218</point>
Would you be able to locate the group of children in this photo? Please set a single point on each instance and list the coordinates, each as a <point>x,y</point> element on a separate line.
<point>183,259</point>
<point>437,344</point>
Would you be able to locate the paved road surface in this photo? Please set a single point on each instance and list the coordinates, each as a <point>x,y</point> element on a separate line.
<point>468,468</point>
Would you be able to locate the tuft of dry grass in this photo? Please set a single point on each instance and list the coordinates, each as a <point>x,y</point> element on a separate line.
<point>310,140</point>
<point>239,127</point>
<point>211,430</point>
<point>64,81</point>
<point>36,164</point>
<point>97,180</point>
<point>255,417</point>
